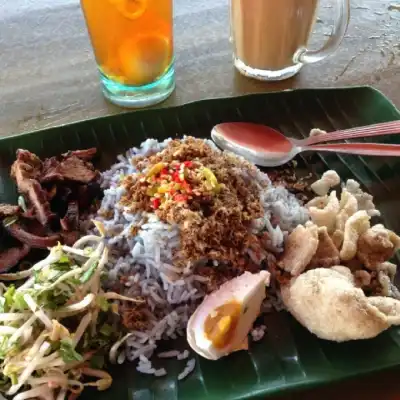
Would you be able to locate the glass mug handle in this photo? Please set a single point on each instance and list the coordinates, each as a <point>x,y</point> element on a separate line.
<point>305,56</point>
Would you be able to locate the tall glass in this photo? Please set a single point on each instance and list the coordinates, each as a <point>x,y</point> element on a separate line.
<point>133,44</point>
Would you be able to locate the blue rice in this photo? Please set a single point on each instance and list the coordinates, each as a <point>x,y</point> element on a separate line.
<point>147,258</point>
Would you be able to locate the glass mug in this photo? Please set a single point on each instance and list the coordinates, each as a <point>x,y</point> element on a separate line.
<point>132,42</point>
<point>270,36</point>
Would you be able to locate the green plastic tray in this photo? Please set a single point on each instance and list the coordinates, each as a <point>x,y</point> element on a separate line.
<point>289,357</point>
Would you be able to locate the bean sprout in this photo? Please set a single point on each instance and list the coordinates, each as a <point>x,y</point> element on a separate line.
<point>116,346</point>
<point>42,357</point>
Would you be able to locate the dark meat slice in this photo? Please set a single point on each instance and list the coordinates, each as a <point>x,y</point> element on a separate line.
<point>71,168</point>
<point>38,199</point>
<point>71,219</point>
<point>7,210</point>
<point>86,154</point>
<point>51,171</point>
<point>32,167</point>
<point>88,193</point>
<point>34,241</point>
<point>26,171</point>
<point>59,204</point>
<point>34,227</point>
<point>11,257</point>
<point>51,192</point>
<point>30,214</point>
<point>69,238</point>
<point>74,169</point>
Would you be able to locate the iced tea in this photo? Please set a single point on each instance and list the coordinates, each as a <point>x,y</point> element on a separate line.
<point>132,40</point>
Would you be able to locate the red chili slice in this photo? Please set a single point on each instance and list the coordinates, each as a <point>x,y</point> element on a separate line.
<point>186,187</point>
<point>180,197</point>
<point>176,178</point>
<point>155,203</point>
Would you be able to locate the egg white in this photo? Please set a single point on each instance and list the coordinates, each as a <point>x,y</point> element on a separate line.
<point>247,290</point>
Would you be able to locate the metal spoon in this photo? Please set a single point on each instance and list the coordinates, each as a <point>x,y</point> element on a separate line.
<point>267,147</point>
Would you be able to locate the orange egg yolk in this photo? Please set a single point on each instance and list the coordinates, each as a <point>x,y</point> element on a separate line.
<point>220,325</point>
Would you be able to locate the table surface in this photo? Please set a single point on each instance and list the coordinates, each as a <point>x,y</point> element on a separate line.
<point>48,74</point>
<point>48,77</point>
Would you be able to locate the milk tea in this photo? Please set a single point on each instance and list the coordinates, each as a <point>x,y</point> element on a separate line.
<point>267,33</point>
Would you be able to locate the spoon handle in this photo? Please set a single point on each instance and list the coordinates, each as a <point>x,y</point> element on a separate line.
<point>366,149</point>
<point>385,128</point>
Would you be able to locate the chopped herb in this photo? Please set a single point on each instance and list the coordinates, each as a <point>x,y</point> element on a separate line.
<point>88,274</point>
<point>106,330</point>
<point>63,264</point>
<point>36,275</point>
<point>19,301</point>
<point>74,281</point>
<point>51,299</point>
<point>67,351</point>
<point>88,250</point>
<point>97,361</point>
<point>63,267</point>
<point>95,343</point>
<point>64,259</point>
<point>103,303</point>
<point>14,379</point>
<point>9,221</point>
<point>56,276</point>
<point>54,346</point>
<point>4,347</point>
<point>2,304</point>
<point>8,349</point>
<point>9,297</point>
<point>22,203</point>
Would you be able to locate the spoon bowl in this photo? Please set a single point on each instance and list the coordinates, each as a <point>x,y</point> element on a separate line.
<point>268,147</point>
<point>258,144</point>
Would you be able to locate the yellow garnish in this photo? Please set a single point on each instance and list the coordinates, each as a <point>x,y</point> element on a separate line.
<point>166,188</point>
<point>155,169</point>
<point>210,178</point>
<point>152,190</point>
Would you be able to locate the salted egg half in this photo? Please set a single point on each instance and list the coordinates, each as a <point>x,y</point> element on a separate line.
<point>221,323</point>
